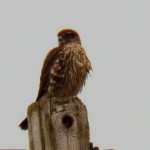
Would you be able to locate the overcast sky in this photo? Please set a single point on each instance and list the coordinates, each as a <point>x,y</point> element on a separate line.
<point>116,36</point>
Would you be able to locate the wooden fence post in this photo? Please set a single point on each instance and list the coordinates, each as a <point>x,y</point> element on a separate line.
<point>58,124</point>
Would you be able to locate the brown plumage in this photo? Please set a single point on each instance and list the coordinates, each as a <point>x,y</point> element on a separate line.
<point>64,70</point>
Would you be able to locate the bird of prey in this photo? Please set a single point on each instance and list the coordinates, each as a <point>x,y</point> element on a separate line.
<point>64,70</point>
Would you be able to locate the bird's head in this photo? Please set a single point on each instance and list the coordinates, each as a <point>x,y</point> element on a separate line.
<point>68,36</point>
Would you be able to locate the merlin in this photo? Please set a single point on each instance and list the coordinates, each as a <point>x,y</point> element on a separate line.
<point>65,69</point>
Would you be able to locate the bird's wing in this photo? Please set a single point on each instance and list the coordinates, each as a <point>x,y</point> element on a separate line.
<point>45,72</point>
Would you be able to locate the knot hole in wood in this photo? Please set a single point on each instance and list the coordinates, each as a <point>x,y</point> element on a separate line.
<point>67,121</point>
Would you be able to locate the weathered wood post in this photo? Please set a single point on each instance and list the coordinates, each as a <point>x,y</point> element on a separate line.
<point>58,124</point>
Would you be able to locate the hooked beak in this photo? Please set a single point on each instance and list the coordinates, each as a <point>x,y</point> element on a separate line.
<point>59,38</point>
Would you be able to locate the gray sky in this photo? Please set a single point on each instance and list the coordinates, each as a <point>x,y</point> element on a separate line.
<point>116,36</point>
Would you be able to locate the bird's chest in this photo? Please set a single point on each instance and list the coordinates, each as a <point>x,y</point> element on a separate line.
<point>69,70</point>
